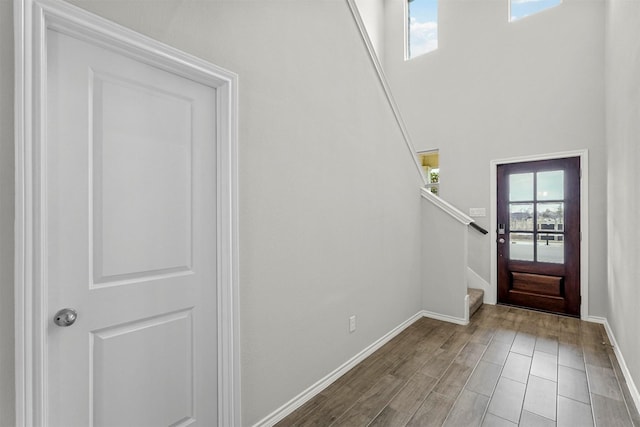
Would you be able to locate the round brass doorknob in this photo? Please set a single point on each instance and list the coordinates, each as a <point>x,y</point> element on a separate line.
<point>65,317</point>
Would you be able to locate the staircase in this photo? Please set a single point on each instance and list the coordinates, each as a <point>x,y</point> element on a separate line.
<point>475,299</point>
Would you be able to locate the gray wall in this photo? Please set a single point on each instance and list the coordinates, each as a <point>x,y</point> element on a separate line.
<point>496,90</point>
<point>6,215</point>
<point>623,204</point>
<point>329,197</point>
<point>372,13</point>
<point>444,262</point>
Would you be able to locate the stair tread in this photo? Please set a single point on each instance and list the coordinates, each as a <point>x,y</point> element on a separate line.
<point>475,293</point>
<point>475,299</point>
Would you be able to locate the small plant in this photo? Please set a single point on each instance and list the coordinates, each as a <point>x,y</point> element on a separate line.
<point>435,177</point>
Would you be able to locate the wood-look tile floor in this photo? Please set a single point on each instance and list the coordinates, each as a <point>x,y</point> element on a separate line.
<point>507,367</point>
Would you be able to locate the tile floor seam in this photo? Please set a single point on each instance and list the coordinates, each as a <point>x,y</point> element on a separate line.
<point>558,382</point>
<point>557,392</point>
<point>406,382</point>
<point>521,403</point>
<point>418,406</point>
<point>436,384</point>
<point>526,385</point>
<point>528,370</point>
<point>494,390</point>
<point>423,400</point>
<point>533,352</point>
<point>615,373</point>
<point>364,392</point>
<point>579,401</point>
<point>525,388</point>
<point>586,373</point>
<point>558,386</point>
<point>542,416</point>
<point>497,416</point>
<point>399,391</point>
<point>464,387</point>
<point>524,399</point>
<point>389,401</point>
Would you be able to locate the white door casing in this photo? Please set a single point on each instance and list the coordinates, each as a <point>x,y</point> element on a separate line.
<point>126,196</point>
<point>132,248</point>
<point>491,296</point>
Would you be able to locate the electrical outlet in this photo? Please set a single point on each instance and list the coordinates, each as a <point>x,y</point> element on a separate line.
<point>352,323</point>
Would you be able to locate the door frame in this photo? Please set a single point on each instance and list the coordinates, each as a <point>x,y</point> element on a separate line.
<point>31,20</point>
<point>492,293</point>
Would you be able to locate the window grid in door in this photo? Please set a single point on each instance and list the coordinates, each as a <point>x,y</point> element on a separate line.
<point>536,216</point>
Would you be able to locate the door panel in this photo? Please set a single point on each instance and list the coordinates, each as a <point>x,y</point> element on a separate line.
<point>132,123</point>
<point>539,235</point>
<point>129,189</point>
<point>126,362</point>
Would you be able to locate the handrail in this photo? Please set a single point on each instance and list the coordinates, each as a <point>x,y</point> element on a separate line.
<point>447,207</point>
<point>385,87</point>
<point>477,227</point>
<point>452,210</point>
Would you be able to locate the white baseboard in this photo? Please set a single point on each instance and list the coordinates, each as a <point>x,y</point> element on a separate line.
<point>633,390</point>
<point>445,318</point>
<point>316,388</point>
<point>597,319</point>
<point>286,409</point>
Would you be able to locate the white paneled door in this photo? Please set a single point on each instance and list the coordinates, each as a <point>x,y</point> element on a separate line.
<point>125,278</point>
<point>130,232</point>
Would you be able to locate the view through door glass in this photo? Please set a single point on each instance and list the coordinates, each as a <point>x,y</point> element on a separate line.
<point>538,235</point>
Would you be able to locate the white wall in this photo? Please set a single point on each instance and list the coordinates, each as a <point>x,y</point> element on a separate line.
<point>497,90</point>
<point>444,262</point>
<point>6,215</point>
<point>623,203</point>
<point>372,13</point>
<point>329,200</point>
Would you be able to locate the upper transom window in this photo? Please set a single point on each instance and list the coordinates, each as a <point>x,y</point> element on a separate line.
<point>422,27</point>
<point>519,9</point>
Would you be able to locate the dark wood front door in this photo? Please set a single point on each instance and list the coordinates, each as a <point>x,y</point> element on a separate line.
<point>538,234</point>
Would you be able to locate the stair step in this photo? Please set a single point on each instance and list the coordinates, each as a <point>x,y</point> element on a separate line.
<point>475,299</point>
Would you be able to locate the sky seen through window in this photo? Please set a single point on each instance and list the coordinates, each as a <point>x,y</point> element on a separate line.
<point>423,27</point>
<point>522,8</point>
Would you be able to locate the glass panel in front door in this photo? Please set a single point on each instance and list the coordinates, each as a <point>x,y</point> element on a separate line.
<point>521,247</point>
<point>521,216</point>
<point>550,185</point>
<point>536,217</point>
<point>550,241</point>
<point>520,187</point>
<point>550,248</point>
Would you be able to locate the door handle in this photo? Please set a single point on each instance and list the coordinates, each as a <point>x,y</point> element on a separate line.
<point>501,240</point>
<point>65,317</point>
